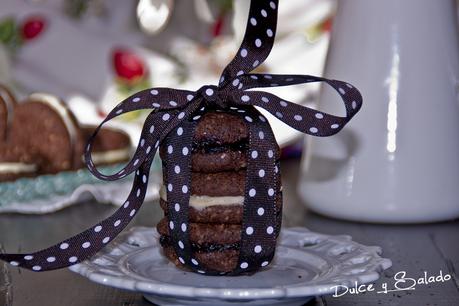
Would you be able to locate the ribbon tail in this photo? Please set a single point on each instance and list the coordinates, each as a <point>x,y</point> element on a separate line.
<point>89,242</point>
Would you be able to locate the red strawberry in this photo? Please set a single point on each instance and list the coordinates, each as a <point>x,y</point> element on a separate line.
<point>218,26</point>
<point>32,27</point>
<point>128,66</point>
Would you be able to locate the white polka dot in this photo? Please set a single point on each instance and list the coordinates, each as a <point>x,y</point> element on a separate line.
<point>283,103</point>
<point>244,52</point>
<point>36,268</point>
<point>252,192</point>
<point>180,131</point>
<point>183,227</point>
<point>254,77</point>
<point>263,13</point>
<point>136,99</point>
<point>194,261</point>
<point>248,119</point>
<point>170,187</point>
<point>236,82</point>
<point>244,265</point>
<point>148,150</point>
<point>132,213</point>
<point>269,32</point>
<point>269,230</point>
<point>261,211</point>
<point>170,149</point>
<point>28,257</point>
<point>86,245</point>
<point>177,207</point>
<point>279,115</point>
<point>270,153</point>
<point>136,162</point>
<point>181,245</point>
<point>202,272</point>
<point>117,222</point>
<point>173,103</point>
<point>119,111</point>
<point>73,259</point>
<point>64,246</point>
<point>222,79</point>
<point>270,192</point>
<point>171,225</point>
<point>154,92</point>
<point>181,115</point>
<point>245,98</point>
<point>254,154</point>
<point>255,64</point>
<point>184,188</point>
<point>261,135</point>
<point>241,111</point>
<point>105,240</point>
<point>209,91</point>
<point>297,117</point>
<point>261,173</point>
<point>166,117</point>
<point>349,86</point>
<point>258,42</point>
<point>196,117</point>
<point>240,72</point>
<point>354,105</point>
<point>181,260</point>
<point>268,77</point>
<point>142,142</point>
<point>264,263</point>
<point>156,105</point>
<point>319,116</point>
<point>341,91</point>
<point>177,169</point>
<point>51,259</point>
<point>14,263</point>
<point>240,86</point>
<point>185,151</point>
<point>138,192</point>
<point>313,130</point>
<point>273,5</point>
<point>249,230</point>
<point>144,178</point>
<point>264,99</point>
<point>156,144</point>
<point>253,21</point>
<point>263,119</point>
<point>257,249</point>
<point>334,126</point>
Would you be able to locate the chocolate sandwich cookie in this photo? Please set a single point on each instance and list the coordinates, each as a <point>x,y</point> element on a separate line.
<point>218,179</point>
<point>43,124</point>
<point>16,162</point>
<point>111,146</point>
<point>7,104</point>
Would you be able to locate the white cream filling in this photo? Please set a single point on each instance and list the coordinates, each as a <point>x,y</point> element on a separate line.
<point>63,112</point>
<point>9,105</point>
<point>109,157</point>
<point>201,202</point>
<point>17,168</point>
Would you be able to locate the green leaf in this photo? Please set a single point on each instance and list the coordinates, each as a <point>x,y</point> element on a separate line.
<point>7,29</point>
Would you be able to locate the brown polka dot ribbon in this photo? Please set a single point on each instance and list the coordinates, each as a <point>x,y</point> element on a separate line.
<point>175,114</point>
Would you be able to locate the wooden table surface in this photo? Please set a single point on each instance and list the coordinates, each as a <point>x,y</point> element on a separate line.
<point>412,248</point>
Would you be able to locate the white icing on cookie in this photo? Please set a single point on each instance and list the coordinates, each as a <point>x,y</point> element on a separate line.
<point>9,105</point>
<point>200,202</point>
<point>108,157</point>
<point>17,168</point>
<point>63,112</point>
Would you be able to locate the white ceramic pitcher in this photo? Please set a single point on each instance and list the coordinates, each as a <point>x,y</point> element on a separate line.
<point>398,159</point>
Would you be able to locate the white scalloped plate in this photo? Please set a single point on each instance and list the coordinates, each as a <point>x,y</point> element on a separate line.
<point>306,264</point>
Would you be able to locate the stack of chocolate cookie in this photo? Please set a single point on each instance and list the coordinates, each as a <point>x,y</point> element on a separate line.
<point>218,164</point>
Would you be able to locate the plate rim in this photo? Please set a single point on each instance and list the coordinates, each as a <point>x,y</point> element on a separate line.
<point>123,281</point>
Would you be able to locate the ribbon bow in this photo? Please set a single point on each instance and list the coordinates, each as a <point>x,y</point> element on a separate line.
<point>175,114</point>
